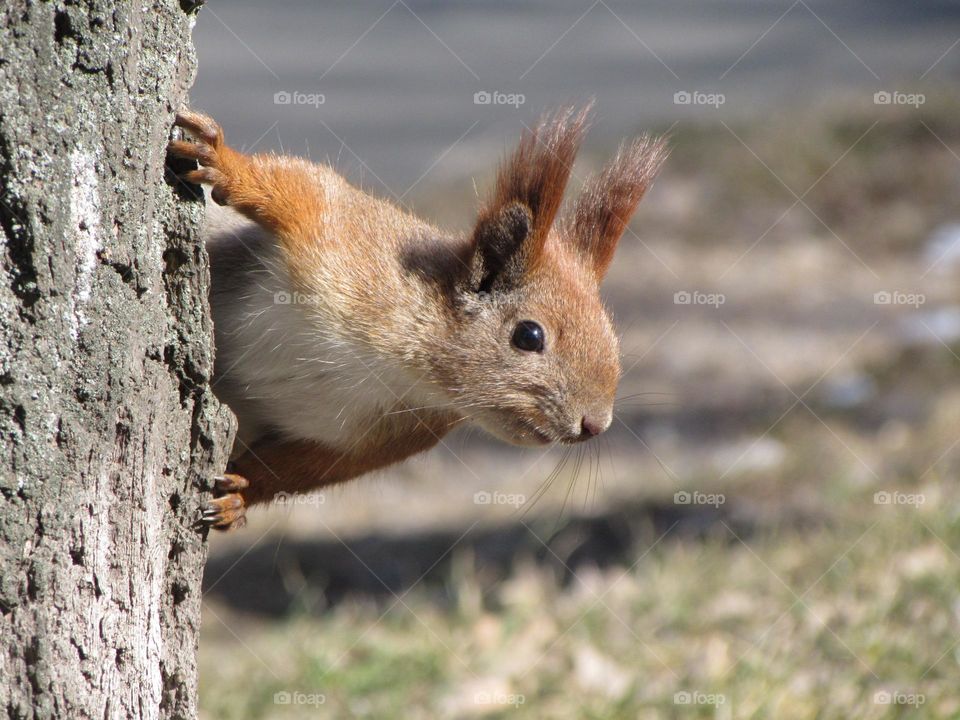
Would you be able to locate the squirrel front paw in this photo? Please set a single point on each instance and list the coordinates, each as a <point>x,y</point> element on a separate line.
<point>215,158</point>
<point>227,510</point>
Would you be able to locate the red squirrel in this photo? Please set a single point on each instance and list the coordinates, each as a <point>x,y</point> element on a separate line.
<point>351,334</point>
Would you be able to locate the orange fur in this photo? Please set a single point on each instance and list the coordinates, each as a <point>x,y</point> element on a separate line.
<point>609,198</point>
<point>394,307</point>
<point>536,174</point>
<point>301,466</point>
<point>280,193</point>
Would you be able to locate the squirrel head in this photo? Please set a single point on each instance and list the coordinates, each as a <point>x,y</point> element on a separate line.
<point>531,354</point>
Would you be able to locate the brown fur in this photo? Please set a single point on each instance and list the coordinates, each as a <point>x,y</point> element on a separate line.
<point>431,312</point>
<point>301,466</point>
<point>536,174</point>
<point>609,198</point>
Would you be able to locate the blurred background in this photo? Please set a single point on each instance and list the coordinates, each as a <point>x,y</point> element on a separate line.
<point>771,527</point>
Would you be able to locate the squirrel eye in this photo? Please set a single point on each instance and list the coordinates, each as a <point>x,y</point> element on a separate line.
<point>528,336</point>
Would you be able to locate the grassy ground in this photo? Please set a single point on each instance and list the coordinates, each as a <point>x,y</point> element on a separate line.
<point>825,599</point>
<point>820,623</point>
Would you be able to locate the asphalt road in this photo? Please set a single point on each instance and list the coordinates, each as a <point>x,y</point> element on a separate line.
<point>387,89</point>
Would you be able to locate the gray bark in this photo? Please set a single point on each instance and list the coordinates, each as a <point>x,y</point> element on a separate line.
<point>110,431</point>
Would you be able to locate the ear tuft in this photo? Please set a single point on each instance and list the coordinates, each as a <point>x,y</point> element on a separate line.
<point>528,192</point>
<point>610,197</point>
<point>537,172</point>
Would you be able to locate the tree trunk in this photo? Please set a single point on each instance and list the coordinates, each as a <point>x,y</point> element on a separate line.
<point>110,431</point>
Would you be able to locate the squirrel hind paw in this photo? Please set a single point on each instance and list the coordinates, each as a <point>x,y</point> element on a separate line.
<point>227,510</point>
<point>230,483</point>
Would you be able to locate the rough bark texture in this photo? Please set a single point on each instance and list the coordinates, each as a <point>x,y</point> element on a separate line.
<point>110,431</point>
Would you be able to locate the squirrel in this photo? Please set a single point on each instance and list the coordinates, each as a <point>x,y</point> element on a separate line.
<point>351,334</point>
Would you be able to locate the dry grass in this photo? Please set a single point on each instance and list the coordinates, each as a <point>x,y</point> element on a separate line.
<point>791,621</point>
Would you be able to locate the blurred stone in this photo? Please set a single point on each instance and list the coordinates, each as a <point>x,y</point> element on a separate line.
<point>932,327</point>
<point>849,390</point>
<point>894,435</point>
<point>754,455</point>
<point>942,249</point>
<point>717,657</point>
<point>930,559</point>
<point>597,673</point>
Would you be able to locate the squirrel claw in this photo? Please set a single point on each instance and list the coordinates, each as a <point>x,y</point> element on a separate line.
<point>207,152</point>
<point>203,126</point>
<point>226,511</point>
<point>230,483</point>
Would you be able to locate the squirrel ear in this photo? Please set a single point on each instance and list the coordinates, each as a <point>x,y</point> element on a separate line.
<point>513,226</point>
<point>501,247</point>
<point>609,198</point>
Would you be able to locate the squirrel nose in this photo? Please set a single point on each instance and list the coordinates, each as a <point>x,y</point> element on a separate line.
<point>592,426</point>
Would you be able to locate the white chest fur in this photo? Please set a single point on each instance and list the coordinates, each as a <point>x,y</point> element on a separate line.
<point>279,366</point>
